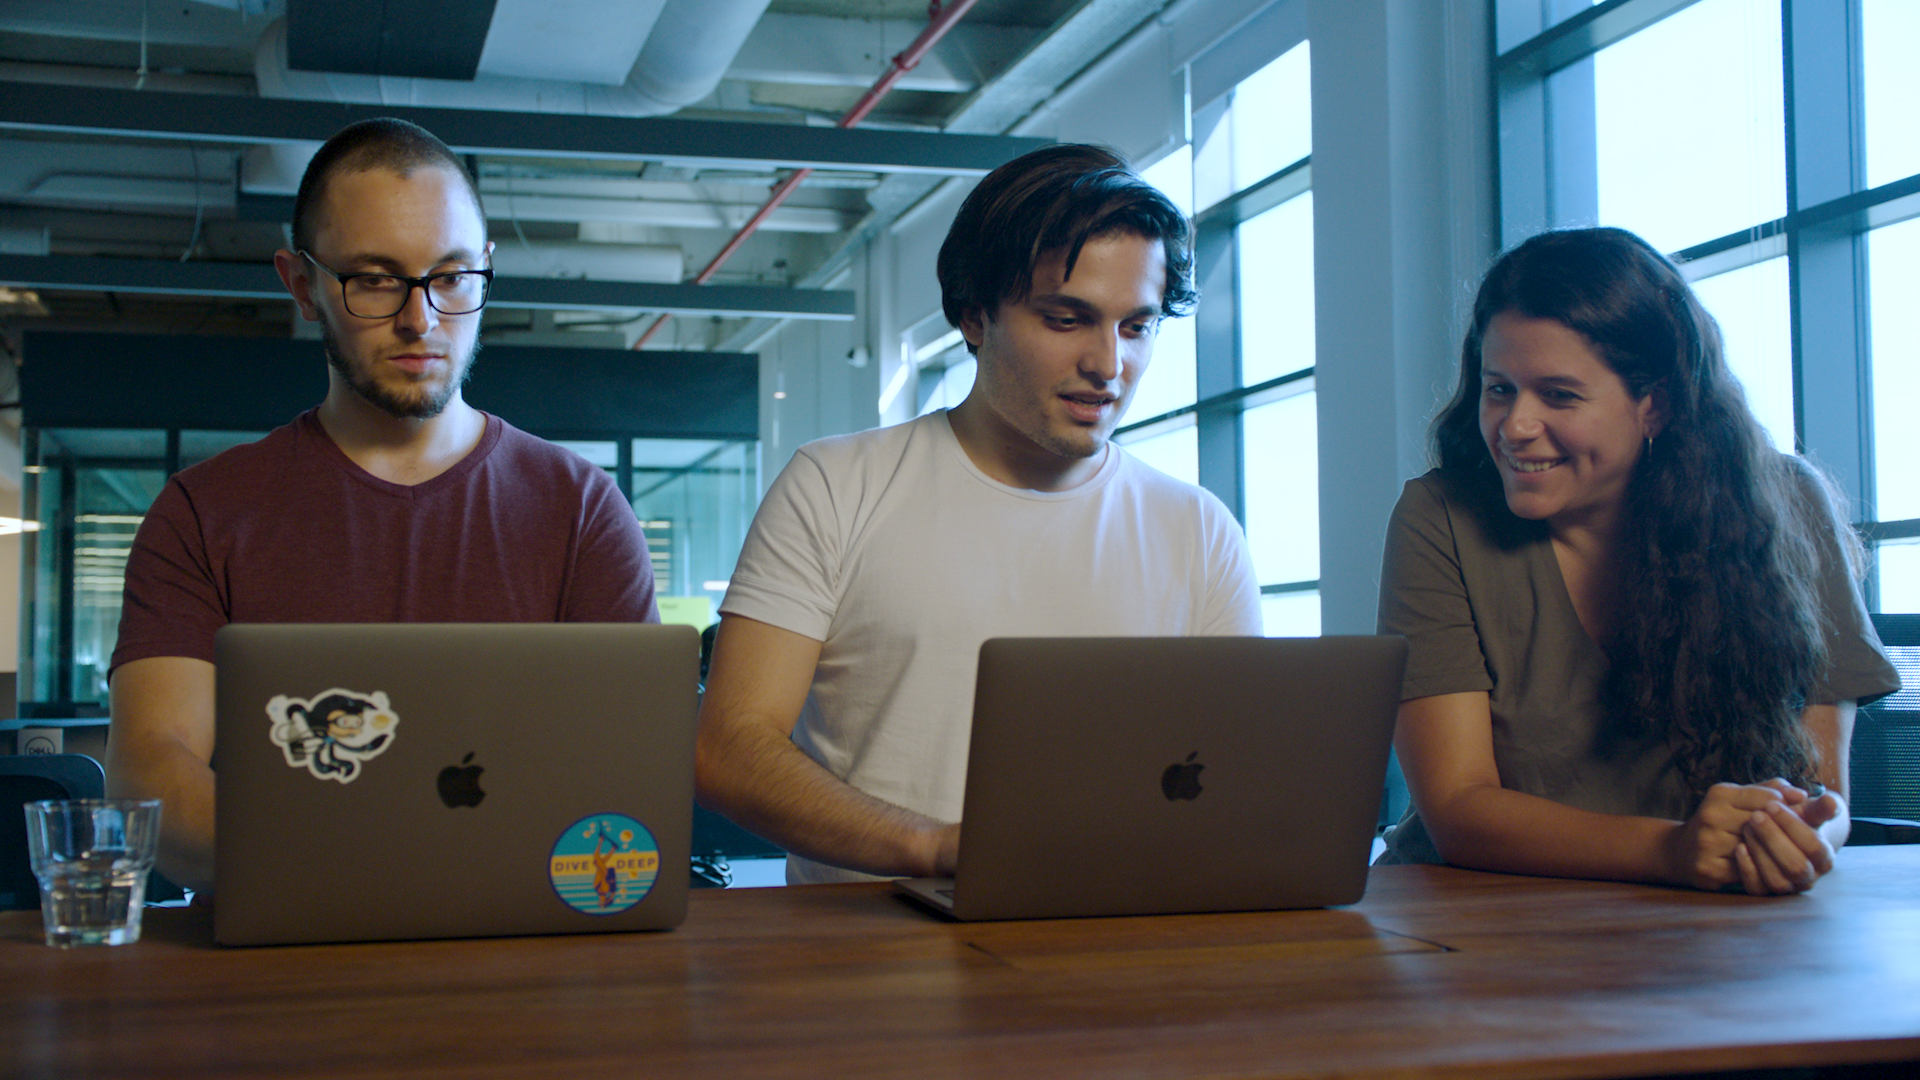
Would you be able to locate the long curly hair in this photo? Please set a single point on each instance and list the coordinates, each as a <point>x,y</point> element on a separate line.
<point>1722,641</point>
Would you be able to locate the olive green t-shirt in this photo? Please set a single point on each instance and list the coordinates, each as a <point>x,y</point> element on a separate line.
<point>1479,597</point>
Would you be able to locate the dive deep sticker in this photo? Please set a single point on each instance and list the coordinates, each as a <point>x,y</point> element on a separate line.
<point>604,864</point>
<point>333,733</point>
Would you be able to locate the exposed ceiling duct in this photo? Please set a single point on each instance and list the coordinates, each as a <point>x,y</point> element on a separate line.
<point>940,21</point>
<point>596,41</point>
<point>689,51</point>
<point>686,52</point>
<point>146,150</point>
<point>1092,29</point>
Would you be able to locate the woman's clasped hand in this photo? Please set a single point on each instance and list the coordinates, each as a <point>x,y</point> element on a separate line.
<point>1763,839</point>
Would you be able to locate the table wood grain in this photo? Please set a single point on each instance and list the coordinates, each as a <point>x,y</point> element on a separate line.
<point>1437,972</point>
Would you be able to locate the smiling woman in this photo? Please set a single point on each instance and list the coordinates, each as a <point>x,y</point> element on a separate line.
<point>1562,430</point>
<point>1636,636</point>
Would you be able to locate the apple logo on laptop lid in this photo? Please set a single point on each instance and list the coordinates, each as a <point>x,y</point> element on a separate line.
<point>1181,780</point>
<point>460,784</point>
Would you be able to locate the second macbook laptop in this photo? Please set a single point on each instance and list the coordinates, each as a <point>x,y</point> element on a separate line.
<point>1128,776</point>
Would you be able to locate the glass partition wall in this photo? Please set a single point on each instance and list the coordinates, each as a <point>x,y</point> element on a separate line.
<point>695,499</point>
<point>88,489</point>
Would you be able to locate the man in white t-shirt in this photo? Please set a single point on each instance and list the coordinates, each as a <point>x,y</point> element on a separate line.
<point>840,696</point>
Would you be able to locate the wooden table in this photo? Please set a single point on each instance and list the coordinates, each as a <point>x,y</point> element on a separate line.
<point>1438,972</point>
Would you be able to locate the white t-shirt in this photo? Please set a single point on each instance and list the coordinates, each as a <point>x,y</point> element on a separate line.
<point>892,549</point>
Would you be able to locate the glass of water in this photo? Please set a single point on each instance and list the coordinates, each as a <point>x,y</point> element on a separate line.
<point>92,857</point>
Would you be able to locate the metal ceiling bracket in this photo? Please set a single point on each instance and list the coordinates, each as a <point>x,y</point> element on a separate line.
<point>257,281</point>
<point>218,118</point>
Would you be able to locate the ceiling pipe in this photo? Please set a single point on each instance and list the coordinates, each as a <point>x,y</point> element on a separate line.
<point>940,20</point>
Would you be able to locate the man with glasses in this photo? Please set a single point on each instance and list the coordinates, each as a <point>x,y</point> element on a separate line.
<point>392,501</point>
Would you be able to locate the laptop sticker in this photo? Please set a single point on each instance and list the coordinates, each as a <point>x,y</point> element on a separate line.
<point>604,864</point>
<point>334,732</point>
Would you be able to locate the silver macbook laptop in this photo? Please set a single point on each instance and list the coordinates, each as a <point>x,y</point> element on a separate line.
<point>395,781</point>
<point>1133,776</point>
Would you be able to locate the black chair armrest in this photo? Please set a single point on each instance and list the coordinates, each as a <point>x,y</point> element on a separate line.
<point>1871,831</point>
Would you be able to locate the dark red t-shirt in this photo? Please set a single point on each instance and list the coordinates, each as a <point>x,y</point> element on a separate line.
<point>288,529</point>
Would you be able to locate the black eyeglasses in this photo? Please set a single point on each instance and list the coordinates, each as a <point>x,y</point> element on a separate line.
<point>382,296</point>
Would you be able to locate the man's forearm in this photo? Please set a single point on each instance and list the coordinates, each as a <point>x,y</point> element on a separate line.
<point>771,788</point>
<point>184,785</point>
<point>160,747</point>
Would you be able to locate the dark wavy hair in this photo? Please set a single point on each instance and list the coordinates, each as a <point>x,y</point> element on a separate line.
<point>1723,639</point>
<point>1055,199</point>
<point>384,142</point>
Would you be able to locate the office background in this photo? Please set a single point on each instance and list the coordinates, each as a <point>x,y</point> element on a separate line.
<point>1353,166</point>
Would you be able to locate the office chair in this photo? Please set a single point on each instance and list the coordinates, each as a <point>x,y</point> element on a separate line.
<point>716,842</point>
<point>26,778</point>
<point>29,778</point>
<point>1885,760</point>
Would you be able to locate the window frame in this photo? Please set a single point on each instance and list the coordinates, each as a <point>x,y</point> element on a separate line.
<point>1548,176</point>
<point>1221,399</point>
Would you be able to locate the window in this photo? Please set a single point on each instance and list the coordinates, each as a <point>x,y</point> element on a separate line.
<point>1891,85</point>
<point>1771,148</point>
<point>1170,387</point>
<point>1229,401</point>
<point>695,499</point>
<point>1170,380</point>
<point>1276,278</point>
<point>1283,511</point>
<point>1893,267</point>
<point>90,489</point>
<point>935,364</point>
<point>1751,306</point>
<point>1697,150</point>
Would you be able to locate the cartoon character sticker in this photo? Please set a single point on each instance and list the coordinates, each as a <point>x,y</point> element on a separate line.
<point>604,864</point>
<point>332,734</point>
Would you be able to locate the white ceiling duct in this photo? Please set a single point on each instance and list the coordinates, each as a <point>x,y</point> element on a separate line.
<point>25,240</point>
<point>686,54</point>
<point>540,39</point>
<point>122,79</point>
<point>691,47</point>
<point>275,168</point>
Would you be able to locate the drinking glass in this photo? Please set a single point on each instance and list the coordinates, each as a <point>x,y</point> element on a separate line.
<point>92,857</point>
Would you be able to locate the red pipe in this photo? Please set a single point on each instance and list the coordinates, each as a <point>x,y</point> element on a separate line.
<point>939,22</point>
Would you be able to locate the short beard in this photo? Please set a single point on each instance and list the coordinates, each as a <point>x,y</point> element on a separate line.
<point>419,407</point>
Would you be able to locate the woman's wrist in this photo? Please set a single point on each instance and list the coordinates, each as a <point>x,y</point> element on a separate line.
<point>1671,854</point>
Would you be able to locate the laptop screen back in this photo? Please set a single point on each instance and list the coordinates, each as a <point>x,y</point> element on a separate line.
<point>434,780</point>
<point>1114,776</point>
